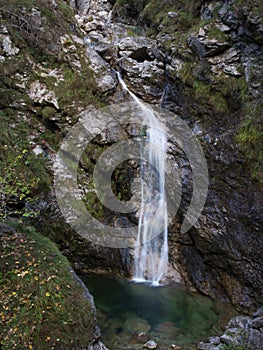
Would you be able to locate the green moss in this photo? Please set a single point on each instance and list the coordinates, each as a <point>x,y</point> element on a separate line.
<point>250,140</point>
<point>215,33</point>
<point>186,73</point>
<point>236,347</point>
<point>43,305</point>
<point>156,13</point>
<point>77,87</point>
<point>23,175</point>
<point>219,103</point>
<point>38,36</point>
<point>48,112</point>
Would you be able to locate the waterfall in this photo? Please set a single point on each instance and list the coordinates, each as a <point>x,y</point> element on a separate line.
<point>151,250</point>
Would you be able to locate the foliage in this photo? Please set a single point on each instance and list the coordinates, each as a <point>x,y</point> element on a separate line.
<point>38,33</point>
<point>156,13</point>
<point>78,87</point>
<point>40,297</point>
<point>215,33</point>
<point>250,140</point>
<point>22,174</point>
<point>236,347</point>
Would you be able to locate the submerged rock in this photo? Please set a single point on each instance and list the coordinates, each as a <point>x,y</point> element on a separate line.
<point>135,325</point>
<point>151,344</point>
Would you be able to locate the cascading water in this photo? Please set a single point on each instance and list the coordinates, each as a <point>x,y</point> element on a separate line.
<point>151,251</point>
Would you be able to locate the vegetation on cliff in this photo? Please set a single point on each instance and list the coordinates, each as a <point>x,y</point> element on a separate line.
<point>43,306</point>
<point>220,95</point>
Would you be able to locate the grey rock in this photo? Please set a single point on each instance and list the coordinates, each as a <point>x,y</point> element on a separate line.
<point>207,11</point>
<point>151,344</point>
<point>239,322</point>
<point>97,346</point>
<point>105,76</point>
<point>39,93</point>
<point>196,46</point>
<point>259,312</point>
<point>172,14</point>
<point>229,56</point>
<point>214,340</point>
<point>8,47</point>
<point>228,339</point>
<point>205,346</point>
<point>255,339</point>
<point>6,229</point>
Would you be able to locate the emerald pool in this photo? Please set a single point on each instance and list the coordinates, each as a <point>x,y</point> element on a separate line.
<point>129,314</point>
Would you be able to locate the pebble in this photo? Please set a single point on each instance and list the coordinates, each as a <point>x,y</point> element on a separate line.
<point>150,345</point>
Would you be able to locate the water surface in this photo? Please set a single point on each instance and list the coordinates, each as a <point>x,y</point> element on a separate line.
<point>166,314</point>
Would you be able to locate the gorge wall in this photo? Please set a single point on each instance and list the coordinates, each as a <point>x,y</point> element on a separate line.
<point>203,61</point>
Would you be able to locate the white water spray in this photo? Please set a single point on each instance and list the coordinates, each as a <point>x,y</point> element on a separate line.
<point>151,257</point>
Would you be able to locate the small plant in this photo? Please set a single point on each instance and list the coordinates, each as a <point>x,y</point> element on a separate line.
<point>236,347</point>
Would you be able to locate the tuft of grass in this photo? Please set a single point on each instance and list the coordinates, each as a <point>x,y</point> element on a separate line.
<point>43,306</point>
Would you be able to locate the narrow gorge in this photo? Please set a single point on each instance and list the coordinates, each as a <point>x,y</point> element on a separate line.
<point>131,169</point>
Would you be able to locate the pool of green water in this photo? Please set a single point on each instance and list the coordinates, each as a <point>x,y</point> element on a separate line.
<point>129,314</point>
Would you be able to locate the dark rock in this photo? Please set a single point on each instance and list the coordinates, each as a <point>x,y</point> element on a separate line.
<point>4,229</point>
<point>214,340</point>
<point>255,339</point>
<point>142,338</point>
<point>257,322</point>
<point>205,346</point>
<point>204,47</point>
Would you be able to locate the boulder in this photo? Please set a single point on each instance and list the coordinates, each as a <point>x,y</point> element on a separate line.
<point>39,93</point>
<point>105,76</point>
<point>205,47</point>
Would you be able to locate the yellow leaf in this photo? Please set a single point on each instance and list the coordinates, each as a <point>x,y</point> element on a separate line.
<point>47,294</point>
